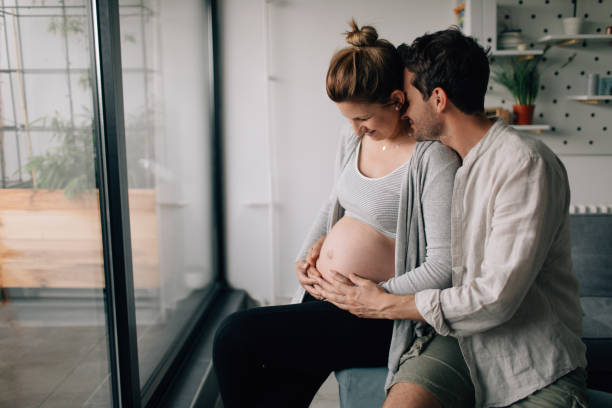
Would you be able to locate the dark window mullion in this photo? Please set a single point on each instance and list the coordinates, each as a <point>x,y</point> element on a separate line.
<point>114,205</point>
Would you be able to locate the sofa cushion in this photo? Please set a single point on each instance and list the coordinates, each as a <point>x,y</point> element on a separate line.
<point>591,236</point>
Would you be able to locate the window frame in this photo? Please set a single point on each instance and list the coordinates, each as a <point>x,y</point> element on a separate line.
<point>114,212</point>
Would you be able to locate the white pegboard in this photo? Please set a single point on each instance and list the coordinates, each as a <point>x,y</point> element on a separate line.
<point>576,128</point>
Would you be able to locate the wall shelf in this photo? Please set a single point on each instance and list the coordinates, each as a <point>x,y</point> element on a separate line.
<point>532,128</point>
<point>590,99</point>
<point>516,53</point>
<point>566,40</point>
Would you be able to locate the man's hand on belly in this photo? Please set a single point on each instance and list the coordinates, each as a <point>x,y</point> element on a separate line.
<point>364,298</point>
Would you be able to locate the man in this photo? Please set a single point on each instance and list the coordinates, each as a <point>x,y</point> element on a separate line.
<point>513,308</point>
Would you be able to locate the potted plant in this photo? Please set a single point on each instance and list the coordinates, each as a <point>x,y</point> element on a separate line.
<point>521,77</point>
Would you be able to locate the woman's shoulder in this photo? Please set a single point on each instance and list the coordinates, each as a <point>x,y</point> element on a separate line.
<point>436,154</point>
<point>347,135</point>
<point>348,139</point>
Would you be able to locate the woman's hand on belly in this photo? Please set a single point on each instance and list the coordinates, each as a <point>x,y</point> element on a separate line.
<point>314,251</point>
<point>307,278</point>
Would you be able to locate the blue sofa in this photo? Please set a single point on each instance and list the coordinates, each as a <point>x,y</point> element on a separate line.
<point>592,257</point>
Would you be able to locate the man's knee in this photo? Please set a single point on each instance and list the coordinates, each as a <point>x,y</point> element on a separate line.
<point>411,395</point>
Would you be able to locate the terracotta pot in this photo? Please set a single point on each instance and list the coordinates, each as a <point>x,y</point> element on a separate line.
<point>523,114</point>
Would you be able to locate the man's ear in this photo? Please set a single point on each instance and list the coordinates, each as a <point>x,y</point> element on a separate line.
<point>439,99</point>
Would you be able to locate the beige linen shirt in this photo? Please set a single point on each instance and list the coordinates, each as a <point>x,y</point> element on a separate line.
<point>514,303</point>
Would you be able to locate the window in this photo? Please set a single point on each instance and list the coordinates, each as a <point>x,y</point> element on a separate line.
<point>107,238</point>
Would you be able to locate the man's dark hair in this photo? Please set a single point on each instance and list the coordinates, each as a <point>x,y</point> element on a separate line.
<point>452,61</point>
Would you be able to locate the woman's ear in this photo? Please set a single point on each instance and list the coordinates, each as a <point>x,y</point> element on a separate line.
<point>398,100</point>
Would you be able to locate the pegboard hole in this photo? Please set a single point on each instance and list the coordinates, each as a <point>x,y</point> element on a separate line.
<point>533,16</point>
<point>605,128</point>
<point>503,101</point>
<point>541,115</point>
<point>554,101</point>
<point>556,73</point>
<point>545,30</point>
<point>559,16</point>
<point>598,29</point>
<point>567,114</point>
<point>565,142</point>
<point>489,40</point>
<point>586,15</point>
<point>596,58</point>
<point>553,129</point>
<point>568,87</point>
<point>592,114</point>
<point>608,72</point>
<point>507,16</point>
<point>582,73</point>
<point>590,142</point>
<point>578,128</point>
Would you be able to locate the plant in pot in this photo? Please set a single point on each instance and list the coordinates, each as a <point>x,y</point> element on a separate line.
<point>521,77</point>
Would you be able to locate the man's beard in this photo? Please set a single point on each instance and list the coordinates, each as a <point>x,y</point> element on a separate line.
<point>431,129</point>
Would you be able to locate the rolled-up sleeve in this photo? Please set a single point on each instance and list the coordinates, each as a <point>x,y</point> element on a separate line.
<point>521,230</point>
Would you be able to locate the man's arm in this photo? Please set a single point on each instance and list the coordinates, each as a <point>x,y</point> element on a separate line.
<point>527,210</point>
<point>365,298</point>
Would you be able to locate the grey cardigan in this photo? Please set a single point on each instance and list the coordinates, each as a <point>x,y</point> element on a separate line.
<point>422,245</point>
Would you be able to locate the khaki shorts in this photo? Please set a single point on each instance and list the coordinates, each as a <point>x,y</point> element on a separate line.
<point>441,370</point>
<point>438,366</point>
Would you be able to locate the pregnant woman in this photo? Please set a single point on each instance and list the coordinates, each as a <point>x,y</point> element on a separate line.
<point>387,219</point>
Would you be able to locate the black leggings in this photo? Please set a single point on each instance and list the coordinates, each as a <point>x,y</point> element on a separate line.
<point>279,356</point>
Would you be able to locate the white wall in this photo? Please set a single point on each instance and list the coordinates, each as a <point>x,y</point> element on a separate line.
<point>280,134</point>
<point>299,38</point>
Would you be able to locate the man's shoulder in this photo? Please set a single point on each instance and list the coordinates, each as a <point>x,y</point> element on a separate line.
<point>513,146</point>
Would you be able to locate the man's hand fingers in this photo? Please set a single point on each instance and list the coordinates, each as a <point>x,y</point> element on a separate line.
<point>330,296</point>
<point>358,280</point>
<point>313,291</point>
<point>340,278</point>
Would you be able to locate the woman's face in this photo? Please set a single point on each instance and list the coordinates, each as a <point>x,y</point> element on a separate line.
<point>376,120</point>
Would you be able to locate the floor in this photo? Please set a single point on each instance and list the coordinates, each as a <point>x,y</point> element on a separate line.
<point>55,351</point>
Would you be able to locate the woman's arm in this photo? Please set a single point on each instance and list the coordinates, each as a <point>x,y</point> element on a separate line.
<point>439,168</point>
<point>346,143</point>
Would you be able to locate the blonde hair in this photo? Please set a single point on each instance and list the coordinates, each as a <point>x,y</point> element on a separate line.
<point>366,71</point>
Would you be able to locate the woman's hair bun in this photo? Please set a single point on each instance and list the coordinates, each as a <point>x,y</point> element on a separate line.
<point>361,37</point>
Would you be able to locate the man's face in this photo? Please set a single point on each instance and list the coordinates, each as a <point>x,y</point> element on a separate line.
<point>426,122</point>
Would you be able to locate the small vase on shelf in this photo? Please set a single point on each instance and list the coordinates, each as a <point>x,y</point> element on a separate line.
<point>573,25</point>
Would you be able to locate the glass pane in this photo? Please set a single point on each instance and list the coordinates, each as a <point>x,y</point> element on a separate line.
<point>53,333</point>
<point>164,52</point>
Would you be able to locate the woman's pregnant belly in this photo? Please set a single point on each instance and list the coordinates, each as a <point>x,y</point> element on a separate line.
<point>353,246</point>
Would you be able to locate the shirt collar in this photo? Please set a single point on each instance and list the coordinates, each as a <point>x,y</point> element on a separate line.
<point>483,144</point>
